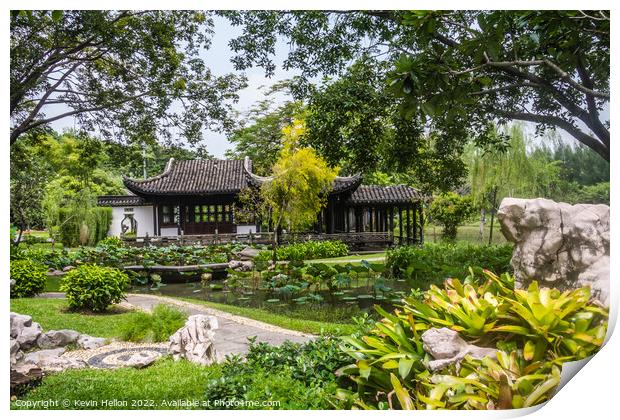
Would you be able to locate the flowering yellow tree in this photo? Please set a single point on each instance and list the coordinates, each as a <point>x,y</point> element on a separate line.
<point>299,185</point>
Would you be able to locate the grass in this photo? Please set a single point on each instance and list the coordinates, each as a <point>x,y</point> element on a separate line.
<point>280,320</point>
<point>468,233</point>
<point>52,314</point>
<point>129,388</point>
<point>153,327</point>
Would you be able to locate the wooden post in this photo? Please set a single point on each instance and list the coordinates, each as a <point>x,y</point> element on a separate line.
<point>400,225</point>
<point>408,208</point>
<point>421,210</point>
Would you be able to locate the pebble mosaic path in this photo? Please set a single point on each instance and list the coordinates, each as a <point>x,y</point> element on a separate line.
<point>230,338</point>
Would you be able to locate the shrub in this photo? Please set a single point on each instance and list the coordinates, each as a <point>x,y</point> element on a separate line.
<point>307,251</point>
<point>30,278</point>
<point>534,332</point>
<point>111,241</point>
<point>153,327</point>
<point>450,210</point>
<point>94,288</point>
<point>433,263</point>
<point>299,376</point>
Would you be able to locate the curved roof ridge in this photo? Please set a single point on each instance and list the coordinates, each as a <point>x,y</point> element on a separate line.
<point>166,171</point>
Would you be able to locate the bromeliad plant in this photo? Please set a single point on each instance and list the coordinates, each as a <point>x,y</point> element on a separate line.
<point>534,330</point>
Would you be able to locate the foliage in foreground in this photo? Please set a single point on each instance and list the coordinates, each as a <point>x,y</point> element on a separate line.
<point>433,263</point>
<point>30,278</point>
<point>307,251</point>
<point>94,288</point>
<point>534,331</point>
<point>298,376</point>
<point>152,327</point>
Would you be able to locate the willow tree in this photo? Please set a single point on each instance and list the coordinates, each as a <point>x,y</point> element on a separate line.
<point>298,187</point>
<point>495,174</point>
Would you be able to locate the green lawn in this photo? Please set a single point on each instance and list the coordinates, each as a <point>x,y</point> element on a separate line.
<point>52,315</point>
<point>130,388</point>
<point>281,320</point>
<point>468,233</point>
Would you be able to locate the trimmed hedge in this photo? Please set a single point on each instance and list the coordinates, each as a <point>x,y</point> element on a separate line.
<point>307,251</point>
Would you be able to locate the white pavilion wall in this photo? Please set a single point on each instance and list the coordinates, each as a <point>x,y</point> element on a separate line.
<point>142,214</point>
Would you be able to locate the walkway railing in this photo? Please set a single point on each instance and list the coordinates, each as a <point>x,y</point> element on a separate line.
<point>356,239</point>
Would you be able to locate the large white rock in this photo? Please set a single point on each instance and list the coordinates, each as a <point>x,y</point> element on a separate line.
<point>194,341</point>
<point>447,347</point>
<point>57,338</point>
<point>557,244</point>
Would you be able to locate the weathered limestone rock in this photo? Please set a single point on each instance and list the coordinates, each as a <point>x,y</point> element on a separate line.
<point>194,341</point>
<point>49,361</point>
<point>28,336</point>
<point>447,347</point>
<point>16,353</point>
<point>68,268</point>
<point>87,342</point>
<point>18,322</point>
<point>57,338</point>
<point>557,244</point>
<point>240,265</point>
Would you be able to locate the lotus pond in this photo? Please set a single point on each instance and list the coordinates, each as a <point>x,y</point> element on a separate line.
<point>290,286</point>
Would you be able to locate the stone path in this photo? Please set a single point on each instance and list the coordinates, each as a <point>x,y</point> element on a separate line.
<point>233,333</point>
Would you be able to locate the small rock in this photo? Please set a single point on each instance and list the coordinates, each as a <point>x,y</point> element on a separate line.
<point>248,253</point>
<point>194,341</point>
<point>18,322</point>
<point>57,338</point>
<point>240,265</point>
<point>141,360</point>
<point>447,347</point>
<point>68,268</point>
<point>42,356</point>
<point>28,336</point>
<point>87,342</point>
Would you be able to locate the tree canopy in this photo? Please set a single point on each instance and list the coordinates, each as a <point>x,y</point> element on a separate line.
<point>133,75</point>
<point>456,71</point>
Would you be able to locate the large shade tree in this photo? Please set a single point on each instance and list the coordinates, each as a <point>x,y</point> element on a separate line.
<point>457,71</point>
<point>128,74</point>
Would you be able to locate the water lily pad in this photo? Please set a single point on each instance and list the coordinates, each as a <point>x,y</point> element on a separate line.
<point>243,298</point>
<point>272,300</point>
<point>338,293</point>
<point>349,298</point>
<point>364,296</point>
<point>197,291</point>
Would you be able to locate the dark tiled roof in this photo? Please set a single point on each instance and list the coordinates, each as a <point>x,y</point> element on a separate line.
<point>121,201</point>
<point>341,183</point>
<point>393,194</point>
<point>193,177</point>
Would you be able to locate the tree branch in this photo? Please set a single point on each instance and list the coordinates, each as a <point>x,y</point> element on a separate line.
<point>567,126</point>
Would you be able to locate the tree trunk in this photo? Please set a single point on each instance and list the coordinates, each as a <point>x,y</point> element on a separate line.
<point>482,223</point>
<point>493,210</point>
